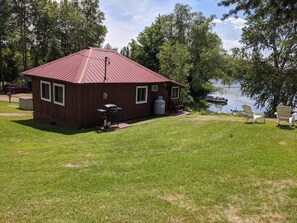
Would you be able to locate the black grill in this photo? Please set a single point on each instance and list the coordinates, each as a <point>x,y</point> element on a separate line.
<point>109,112</point>
<point>112,108</point>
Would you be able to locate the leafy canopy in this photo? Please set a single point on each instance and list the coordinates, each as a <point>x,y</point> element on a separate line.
<point>181,46</point>
<point>266,65</point>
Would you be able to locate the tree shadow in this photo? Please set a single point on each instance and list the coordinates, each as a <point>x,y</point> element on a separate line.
<point>47,127</point>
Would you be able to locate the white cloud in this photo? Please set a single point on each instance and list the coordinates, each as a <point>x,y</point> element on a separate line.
<point>125,20</point>
<point>229,44</point>
<point>230,31</point>
<point>236,23</point>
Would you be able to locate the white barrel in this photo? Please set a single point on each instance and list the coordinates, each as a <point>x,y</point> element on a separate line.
<point>26,103</point>
<point>159,106</point>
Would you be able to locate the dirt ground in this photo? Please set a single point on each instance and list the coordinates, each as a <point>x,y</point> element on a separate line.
<point>14,97</point>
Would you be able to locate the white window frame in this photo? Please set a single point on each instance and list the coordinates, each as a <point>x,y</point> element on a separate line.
<point>146,95</point>
<point>154,87</point>
<point>63,87</point>
<point>177,93</point>
<point>49,93</point>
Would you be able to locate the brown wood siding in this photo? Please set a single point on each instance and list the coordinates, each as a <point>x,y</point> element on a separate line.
<point>123,95</point>
<point>48,111</point>
<point>83,100</point>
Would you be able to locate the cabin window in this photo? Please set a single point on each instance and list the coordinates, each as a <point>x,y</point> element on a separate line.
<point>141,94</point>
<point>45,91</point>
<point>175,93</point>
<point>59,94</point>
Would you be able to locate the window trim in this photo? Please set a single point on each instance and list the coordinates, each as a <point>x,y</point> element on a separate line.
<point>54,93</point>
<point>49,89</point>
<point>146,95</point>
<point>177,93</point>
<point>154,87</point>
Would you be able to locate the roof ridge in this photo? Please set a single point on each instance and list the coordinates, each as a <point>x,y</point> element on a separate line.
<point>103,49</point>
<point>85,66</point>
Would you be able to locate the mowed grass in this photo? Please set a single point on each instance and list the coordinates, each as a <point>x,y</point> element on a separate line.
<point>194,168</point>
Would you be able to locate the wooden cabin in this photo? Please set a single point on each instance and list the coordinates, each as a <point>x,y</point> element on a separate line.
<point>69,91</point>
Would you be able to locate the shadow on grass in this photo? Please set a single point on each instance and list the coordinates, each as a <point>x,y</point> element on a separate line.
<point>44,126</point>
<point>285,127</point>
<point>256,123</point>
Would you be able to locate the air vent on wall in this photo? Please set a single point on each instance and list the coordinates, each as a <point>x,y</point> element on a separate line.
<point>154,88</point>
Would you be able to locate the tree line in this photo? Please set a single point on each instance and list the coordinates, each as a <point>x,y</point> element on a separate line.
<point>33,32</point>
<point>181,46</point>
<point>266,65</point>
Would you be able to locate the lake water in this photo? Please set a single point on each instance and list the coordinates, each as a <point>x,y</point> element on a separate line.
<point>234,96</point>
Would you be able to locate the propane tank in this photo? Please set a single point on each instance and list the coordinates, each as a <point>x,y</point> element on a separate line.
<point>159,106</point>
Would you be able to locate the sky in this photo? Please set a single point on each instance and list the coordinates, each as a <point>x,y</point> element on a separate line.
<point>126,19</point>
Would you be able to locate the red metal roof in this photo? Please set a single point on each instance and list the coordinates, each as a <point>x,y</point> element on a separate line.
<point>87,66</point>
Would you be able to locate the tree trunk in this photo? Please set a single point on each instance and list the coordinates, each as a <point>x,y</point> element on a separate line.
<point>1,68</point>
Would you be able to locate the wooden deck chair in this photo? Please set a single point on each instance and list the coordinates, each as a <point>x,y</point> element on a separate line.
<point>251,115</point>
<point>284,113</point>
<point>177,105</point>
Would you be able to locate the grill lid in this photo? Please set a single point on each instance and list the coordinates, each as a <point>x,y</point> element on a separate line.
<point>110,106</point>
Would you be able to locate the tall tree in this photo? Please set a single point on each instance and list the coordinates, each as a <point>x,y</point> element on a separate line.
<point>80,25</point>
<point>93,29</point>
<point>33,32</point>
<point>184,28</point>
<point>54,52</point>
<point>22,17</point>
<point>70,21</point>
<point>148,45</point>
<point>269,52</point>
<point>126,51</point>
<point>207,56</point>
<point>175,61</point>
<point>44,23</point>
<point>5,10</point>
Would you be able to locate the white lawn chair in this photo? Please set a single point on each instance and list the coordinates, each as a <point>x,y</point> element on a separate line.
<point>251,115</point>
<point>284,113</point>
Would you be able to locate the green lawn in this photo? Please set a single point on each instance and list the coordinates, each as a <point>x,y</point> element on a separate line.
<point>196,168</point>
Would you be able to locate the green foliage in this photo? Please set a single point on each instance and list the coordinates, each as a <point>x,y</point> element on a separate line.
<point>148,45</point>
<point>185,32</point>
<point>126,51</point>
<point>195,168</point>
<point>54,51</point>
<point>40,31</point>
<point>10,65</point>
<point>266,66</point>
<point>175,61</point>
<point>283,9</point>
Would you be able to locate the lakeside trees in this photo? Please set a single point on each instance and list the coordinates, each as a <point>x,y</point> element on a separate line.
<point>266,65</point>
<point>181,46</point>
<point>33,32</point>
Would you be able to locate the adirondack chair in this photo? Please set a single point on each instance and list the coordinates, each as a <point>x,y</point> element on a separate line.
<point>177,105</point>
<point>251,115</point>
<point>284,113</point>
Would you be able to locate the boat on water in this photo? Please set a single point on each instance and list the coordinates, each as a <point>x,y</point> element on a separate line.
<point>219,100</point>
